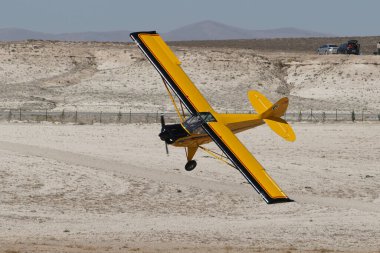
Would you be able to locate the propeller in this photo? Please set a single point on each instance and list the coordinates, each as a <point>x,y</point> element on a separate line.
<point>167,149</point>
<point>162,130</point>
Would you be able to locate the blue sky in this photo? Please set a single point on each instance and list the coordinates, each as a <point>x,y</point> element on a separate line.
<point>339,17</point>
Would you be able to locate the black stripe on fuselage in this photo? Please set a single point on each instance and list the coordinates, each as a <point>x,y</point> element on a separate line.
<point>241,167</point>
<point>161,70</point>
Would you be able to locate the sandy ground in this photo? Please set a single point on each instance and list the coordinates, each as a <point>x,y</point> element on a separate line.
<point>112,77</point>
<point>112,188</point>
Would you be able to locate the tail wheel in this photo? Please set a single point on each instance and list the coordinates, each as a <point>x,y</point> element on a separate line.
<point>190,165</point>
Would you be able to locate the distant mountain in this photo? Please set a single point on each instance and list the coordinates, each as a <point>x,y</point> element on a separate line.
<point>286,32</point>
<point>14,34</point>
<point>210,30</point>
<point>117,36</point>
<point>205,30</point>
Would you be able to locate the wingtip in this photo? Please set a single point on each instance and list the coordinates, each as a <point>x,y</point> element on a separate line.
<point>277,201</point>
<point>291,138</point>
<point>146,32</point>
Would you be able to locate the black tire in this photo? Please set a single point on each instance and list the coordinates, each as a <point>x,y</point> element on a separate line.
<point>190,165</point>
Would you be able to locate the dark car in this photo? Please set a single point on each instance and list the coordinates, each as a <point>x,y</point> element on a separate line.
<point>350,47</point>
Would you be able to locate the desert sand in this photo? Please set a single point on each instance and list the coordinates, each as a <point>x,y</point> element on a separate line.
<point>112,188</point>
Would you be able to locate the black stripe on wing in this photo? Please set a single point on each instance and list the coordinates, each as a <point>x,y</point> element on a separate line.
<point>243,170</point>
<point>162,71</point>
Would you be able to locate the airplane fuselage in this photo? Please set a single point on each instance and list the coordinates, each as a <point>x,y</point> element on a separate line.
<point>191,134</point>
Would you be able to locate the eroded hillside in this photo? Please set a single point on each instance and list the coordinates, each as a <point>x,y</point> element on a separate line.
<point>116,76</point>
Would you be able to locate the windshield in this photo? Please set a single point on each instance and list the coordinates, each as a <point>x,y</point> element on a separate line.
<point>194,123</point>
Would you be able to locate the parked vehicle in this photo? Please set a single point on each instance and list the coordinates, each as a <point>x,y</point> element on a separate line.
<point>350,47</point>
<point>327,49</point>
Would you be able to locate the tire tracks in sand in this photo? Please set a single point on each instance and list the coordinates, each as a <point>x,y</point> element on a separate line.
<point>175,178</point>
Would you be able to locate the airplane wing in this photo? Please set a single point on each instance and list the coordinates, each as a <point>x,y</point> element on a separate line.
<point>245,163</point>
<point>168,66</point>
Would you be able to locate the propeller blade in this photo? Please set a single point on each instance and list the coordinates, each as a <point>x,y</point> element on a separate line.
<point>162,122</point>
<point>162,130</point>
<point>167,149</point>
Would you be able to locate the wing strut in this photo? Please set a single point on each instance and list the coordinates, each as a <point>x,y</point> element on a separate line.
<point>181,117</point>
<point>217,156</point>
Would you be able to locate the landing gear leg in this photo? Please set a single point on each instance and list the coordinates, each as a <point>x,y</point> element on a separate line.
<point>190,165</point>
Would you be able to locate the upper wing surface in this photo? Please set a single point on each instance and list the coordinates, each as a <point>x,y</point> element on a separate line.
<point>245,163</point>
<point>168,65</point>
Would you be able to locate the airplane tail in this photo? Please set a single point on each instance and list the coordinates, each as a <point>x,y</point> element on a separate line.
<point>272,113</point>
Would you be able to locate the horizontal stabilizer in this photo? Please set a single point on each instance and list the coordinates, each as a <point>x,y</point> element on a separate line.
<point>272,113</point>
<point>281,127</point>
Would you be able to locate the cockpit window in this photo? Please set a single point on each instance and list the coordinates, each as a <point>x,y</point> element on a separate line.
<point>207,117</point>
<point>194,123</point>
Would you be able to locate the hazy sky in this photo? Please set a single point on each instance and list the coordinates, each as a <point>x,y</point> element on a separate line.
<point>339,17</point>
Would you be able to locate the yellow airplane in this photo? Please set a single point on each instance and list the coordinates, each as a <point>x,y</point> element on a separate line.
<point>204,125</point>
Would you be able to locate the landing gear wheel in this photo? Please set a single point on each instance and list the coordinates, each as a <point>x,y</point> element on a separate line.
<point>190,165</point>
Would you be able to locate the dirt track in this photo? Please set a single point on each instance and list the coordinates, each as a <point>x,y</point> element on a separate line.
<point>102,188</point>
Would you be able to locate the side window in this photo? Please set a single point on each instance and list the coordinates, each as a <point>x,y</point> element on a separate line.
<point>193,124</point>
<point>207,117</point>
